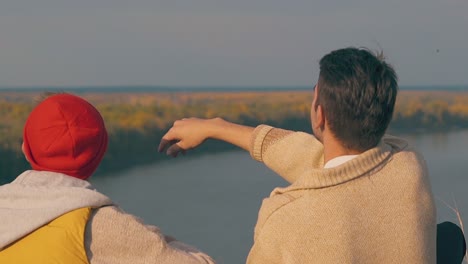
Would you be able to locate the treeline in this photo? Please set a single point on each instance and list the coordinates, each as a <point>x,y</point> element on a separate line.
<point>136,122</point>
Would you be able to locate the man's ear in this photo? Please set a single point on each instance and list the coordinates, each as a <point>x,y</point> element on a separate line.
<point>320,118</point>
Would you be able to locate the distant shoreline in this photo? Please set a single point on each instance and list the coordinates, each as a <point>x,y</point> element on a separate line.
<point>137,121</point>
<point>168,89</point>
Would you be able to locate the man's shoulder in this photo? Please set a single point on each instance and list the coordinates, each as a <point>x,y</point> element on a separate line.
<point>397,143</point>
<point>406,161</point>
<point>402,147</point>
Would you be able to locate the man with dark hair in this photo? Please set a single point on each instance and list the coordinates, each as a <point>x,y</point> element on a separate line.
<point>357,94</point>
<point>356,195</point>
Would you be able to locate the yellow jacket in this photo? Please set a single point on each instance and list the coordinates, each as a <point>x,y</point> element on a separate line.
<point>60,241</point>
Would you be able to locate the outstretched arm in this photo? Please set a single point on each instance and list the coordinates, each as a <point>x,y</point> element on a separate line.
<point>188,133</point>
<point>285,152</point>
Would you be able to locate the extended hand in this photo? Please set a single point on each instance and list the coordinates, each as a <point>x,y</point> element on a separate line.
<point>185,134</point>
<point>188,133</point>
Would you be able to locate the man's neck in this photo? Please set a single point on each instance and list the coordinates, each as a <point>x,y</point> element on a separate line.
<point>332,148</point>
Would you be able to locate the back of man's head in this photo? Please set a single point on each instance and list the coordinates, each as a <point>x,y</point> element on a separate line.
<point>357,91</point>
<point>65,134</point>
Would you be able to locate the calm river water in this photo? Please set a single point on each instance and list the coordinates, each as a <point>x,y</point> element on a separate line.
<point>211,201</point>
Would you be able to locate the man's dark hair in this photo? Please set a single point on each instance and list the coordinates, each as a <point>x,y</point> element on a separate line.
<point>357,91</point>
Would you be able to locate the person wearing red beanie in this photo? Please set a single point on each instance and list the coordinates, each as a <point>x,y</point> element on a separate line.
<point>53,212</point>
<point>65,134</point>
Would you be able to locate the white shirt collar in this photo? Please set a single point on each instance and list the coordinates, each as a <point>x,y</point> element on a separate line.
<point>335,162</point>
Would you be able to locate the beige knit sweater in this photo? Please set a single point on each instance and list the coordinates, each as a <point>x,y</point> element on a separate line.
<point>376,208</point>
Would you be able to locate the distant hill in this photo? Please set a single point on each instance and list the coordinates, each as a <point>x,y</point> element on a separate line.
<point>146,89</point>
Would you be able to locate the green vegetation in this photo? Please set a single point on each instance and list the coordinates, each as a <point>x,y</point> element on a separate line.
<point>136,122</point>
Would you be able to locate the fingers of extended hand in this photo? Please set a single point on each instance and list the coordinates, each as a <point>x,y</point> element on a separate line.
<point>168,139</point>
<point>174,150</point>
<point>180,137</point>
<point>165,143</point>
<point>172,140</point>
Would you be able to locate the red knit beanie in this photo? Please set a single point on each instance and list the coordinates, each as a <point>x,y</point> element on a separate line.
<point>65,134</point>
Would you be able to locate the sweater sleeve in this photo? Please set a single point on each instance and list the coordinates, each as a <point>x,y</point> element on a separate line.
<point>113,236</point>
<point>287,153</point>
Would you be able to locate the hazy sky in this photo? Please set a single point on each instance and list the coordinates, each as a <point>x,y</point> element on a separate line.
<point>224,42</point>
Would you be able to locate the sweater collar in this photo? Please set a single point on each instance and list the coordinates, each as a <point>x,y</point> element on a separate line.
<point>366,162</point>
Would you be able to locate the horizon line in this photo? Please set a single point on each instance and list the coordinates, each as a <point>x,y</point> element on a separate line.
<point>161,88</point>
